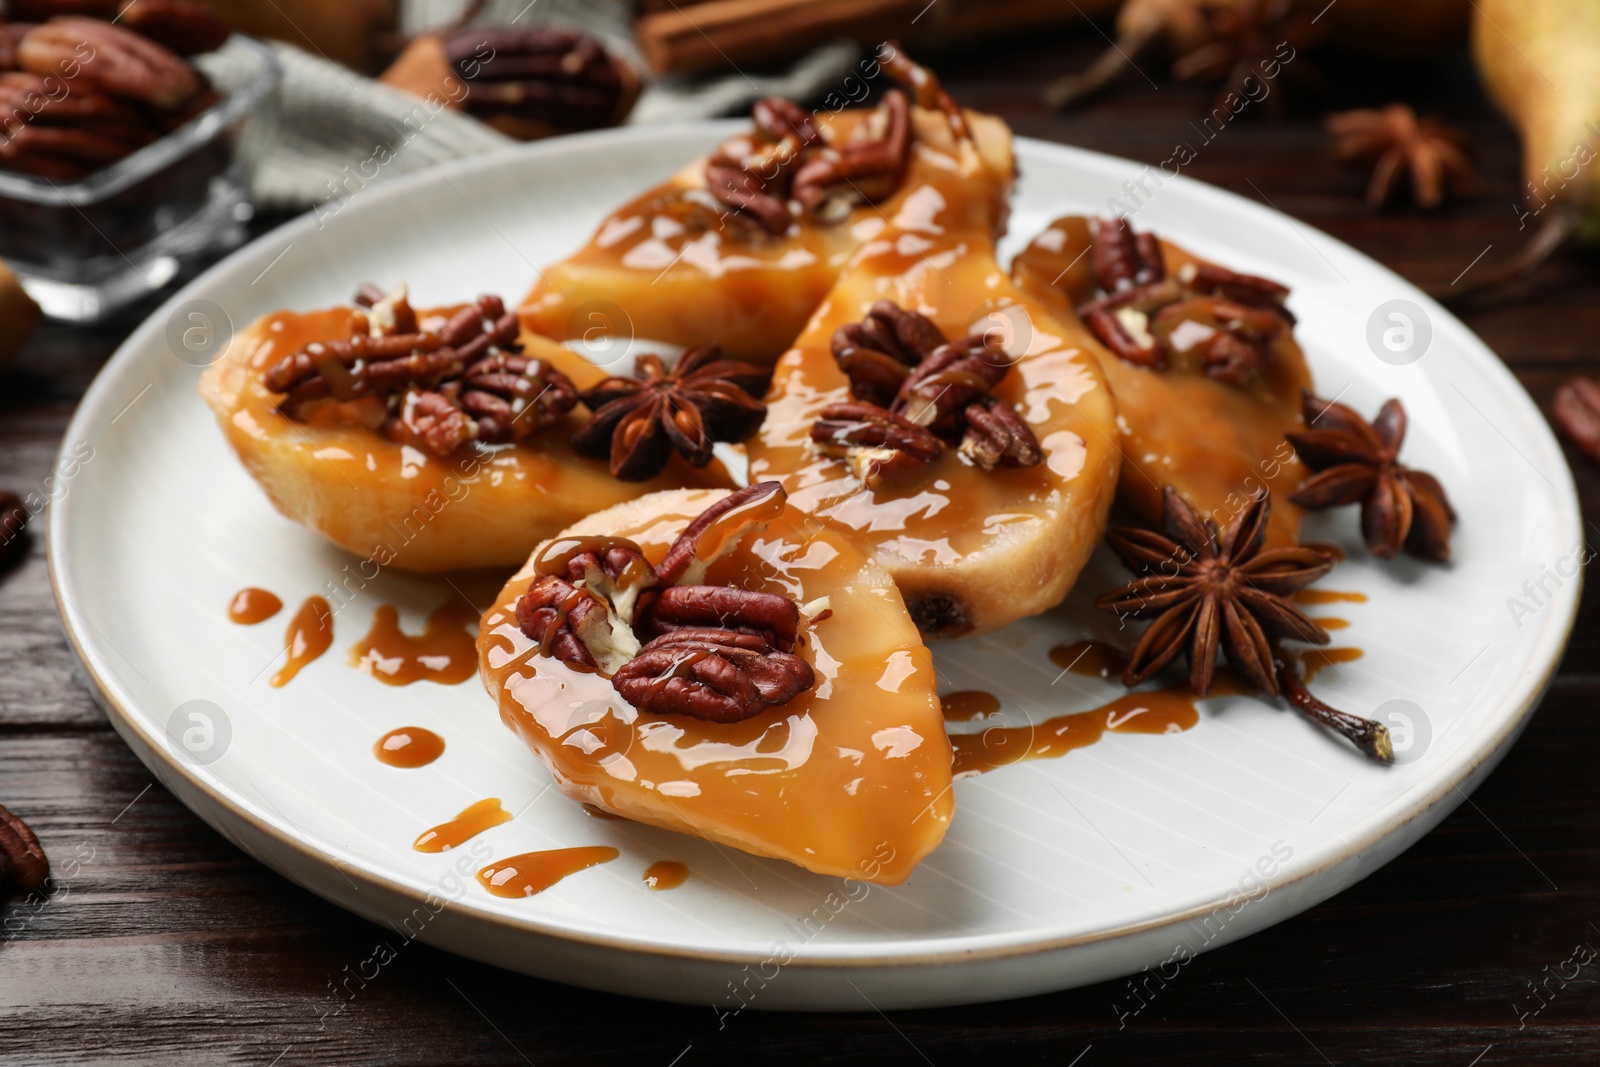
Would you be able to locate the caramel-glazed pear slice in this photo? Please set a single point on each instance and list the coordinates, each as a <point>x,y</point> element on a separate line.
<point>672,265</point>
<point>971,549</point>
<point>395,504</point>
<point>849,778</point>
<point>1216,441</point>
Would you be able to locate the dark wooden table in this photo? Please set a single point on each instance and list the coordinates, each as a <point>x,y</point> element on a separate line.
<point>170,943</point>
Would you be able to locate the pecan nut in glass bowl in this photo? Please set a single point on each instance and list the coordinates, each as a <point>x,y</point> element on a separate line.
<point>740,246</point>
<point>713,663</point>
<point>1202,360</point>
<point>426,439</point>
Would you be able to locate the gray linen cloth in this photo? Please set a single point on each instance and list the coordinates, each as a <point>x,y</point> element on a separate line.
<point>327,120</point>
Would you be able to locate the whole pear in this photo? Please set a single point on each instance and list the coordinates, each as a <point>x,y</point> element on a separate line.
<point>1540,62</point>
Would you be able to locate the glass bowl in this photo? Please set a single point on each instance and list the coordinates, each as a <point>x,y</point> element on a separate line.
<point>85,249</point>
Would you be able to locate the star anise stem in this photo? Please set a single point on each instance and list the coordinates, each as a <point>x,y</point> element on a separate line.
<point>1370,737</point>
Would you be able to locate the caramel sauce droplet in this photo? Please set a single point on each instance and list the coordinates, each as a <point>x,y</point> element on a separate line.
<point>309,635</point>
<point>1329,548</point>
<point>409,746</point>
<point>668,874</point>
<point>1159,711</point>
<point>251,605</point>
<point>534,872</point>
<point>1328,596</point>
<point>968,705</point>
<point>465,826</point>
<point>1328,622</point>
<point>446,652</point>
<point>1313,661</point>
<point>1092,659</point>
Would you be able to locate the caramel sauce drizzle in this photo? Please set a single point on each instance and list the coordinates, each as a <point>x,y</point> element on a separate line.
<point>309,635</point>
<point>968,705</point>
<point>1159,711</point>
<point>534,872</point>
<point>251,605</point>
<point>445,652</point>
<point>667,874</point>
<point>409,746</point>
<point>469,824</point>
<point>713,541</point>
<point>1329,622</point>
<point>1091,659</point>
<point>1313,661</point>
<point>1330,548</point>
<point>1328,596</point>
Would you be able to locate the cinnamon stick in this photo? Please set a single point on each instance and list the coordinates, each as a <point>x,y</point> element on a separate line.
<point>716,35</point>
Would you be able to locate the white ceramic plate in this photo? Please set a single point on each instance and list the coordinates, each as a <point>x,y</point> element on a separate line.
<point>1138,851</point>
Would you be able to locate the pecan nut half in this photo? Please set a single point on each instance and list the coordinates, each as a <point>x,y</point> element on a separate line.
<point>14,536</point>
<point>1577,414</point>
<point>717,530</point>
<point>22,859</point>
<point>110,58</point>
<point>186,28</point>
<point>769,616</point>
<point>712,674</point>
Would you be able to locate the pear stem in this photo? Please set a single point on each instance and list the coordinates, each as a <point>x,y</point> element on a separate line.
<point>1073,88</point>
<point>1497,283</point>
<point>1369,736</point>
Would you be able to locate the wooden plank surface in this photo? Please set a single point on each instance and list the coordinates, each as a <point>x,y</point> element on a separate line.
<point>165,942</point>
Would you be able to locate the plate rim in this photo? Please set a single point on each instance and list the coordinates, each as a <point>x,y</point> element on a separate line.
<point>1486,745</point>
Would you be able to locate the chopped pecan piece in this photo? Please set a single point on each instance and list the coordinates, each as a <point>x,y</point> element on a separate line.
<point>465,381</point>
<point>774,618</point>
<point>865,169</point>
<point>1121,258</point>
<point>878,352</point>
<point>712,674</point>
<point>615,568</point>
<point>880,446</point>
<point>940,388</point>
<point>752,173</point>
<point>997,436</point>
<point>1137,314</point>
<point>574,625</point>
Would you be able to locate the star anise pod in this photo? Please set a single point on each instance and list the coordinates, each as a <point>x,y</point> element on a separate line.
<point>1395,143</point>
<point>1207,591</point>
<point>638,422</point>
<point>1247,39</point>
<point>1358,462</point>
